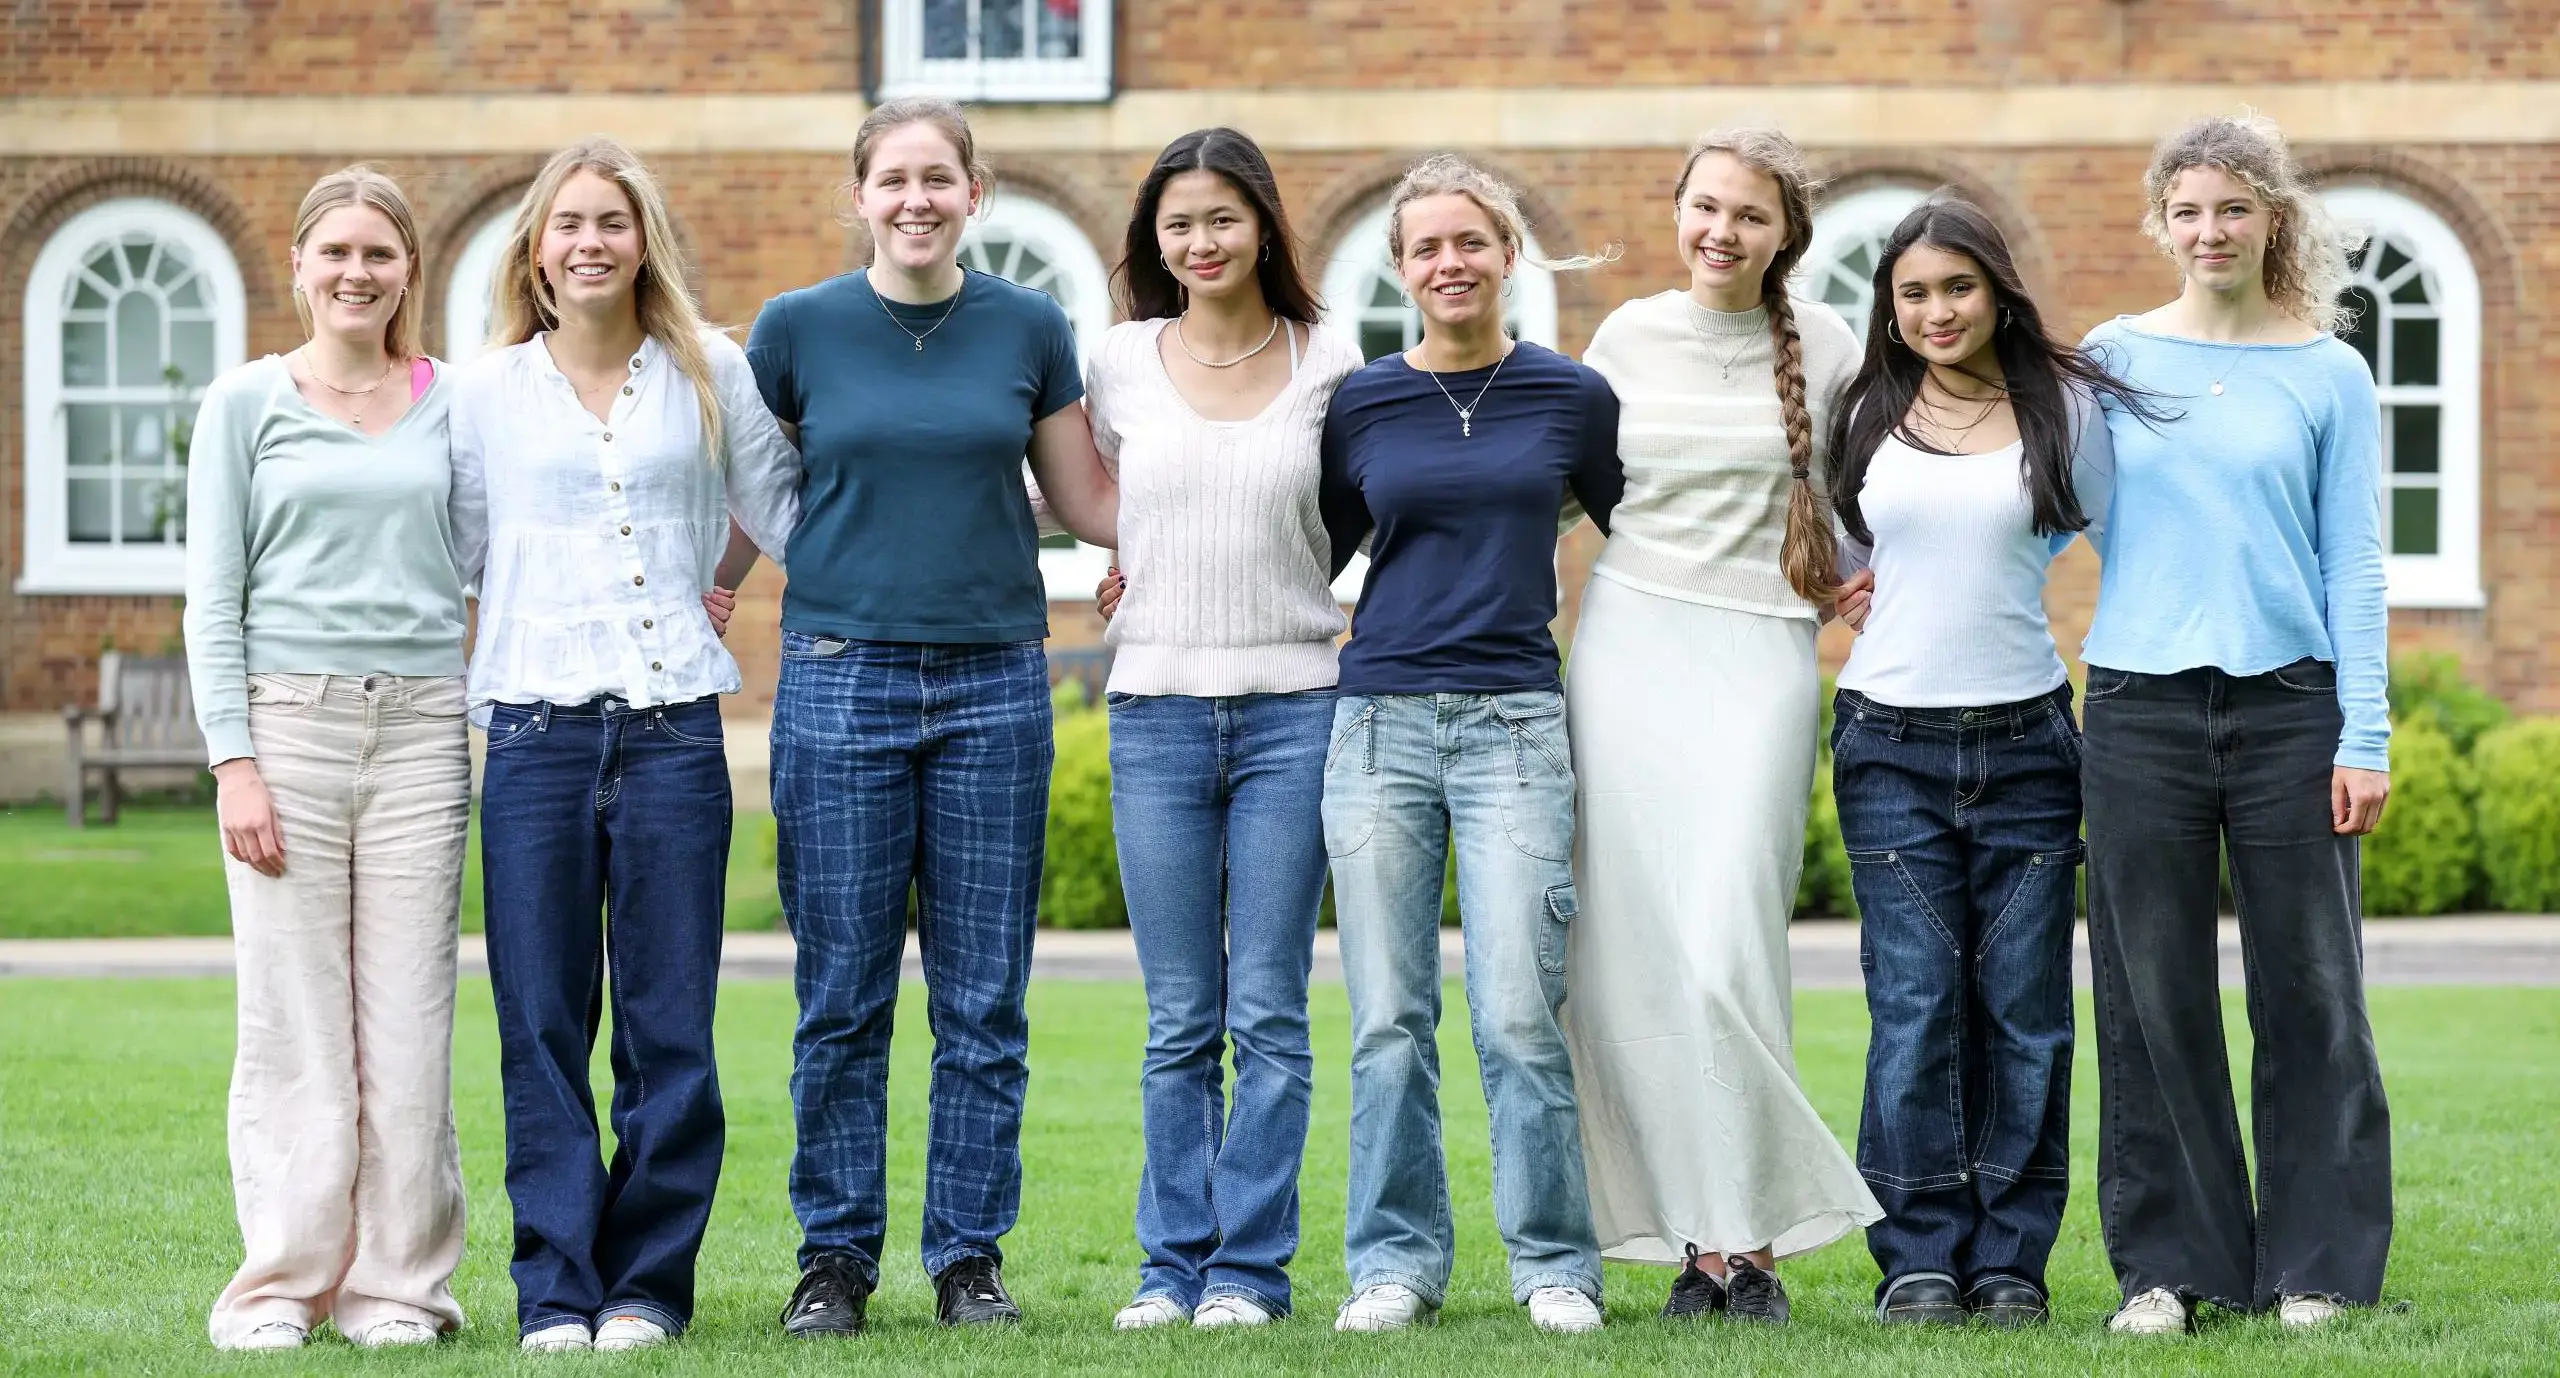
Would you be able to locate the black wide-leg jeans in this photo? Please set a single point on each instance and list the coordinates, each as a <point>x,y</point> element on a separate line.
<point>2180,770</point>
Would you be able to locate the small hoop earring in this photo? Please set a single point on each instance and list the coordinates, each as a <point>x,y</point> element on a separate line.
<point>1266,251</point>
<point>1893,332</point>
<point>2007,318</point>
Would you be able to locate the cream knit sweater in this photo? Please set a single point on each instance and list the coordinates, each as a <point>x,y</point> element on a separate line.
<point>1705,446</point>
<point>1226,557</point>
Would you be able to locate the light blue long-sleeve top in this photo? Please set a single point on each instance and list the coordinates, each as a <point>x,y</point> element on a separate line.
<point>2246,533</point>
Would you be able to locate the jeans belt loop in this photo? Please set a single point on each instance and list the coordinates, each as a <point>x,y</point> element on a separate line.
<point>1899,719</point>
<point>2017,721</point>
<point>542,716</point>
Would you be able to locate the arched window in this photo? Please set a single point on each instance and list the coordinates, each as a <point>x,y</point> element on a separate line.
<point>133,306</point>
<point>468,288</point>
<point>1366,303</point>
<point>2417,304</point>
<point>1033,244</point>
<point>1848,237</point>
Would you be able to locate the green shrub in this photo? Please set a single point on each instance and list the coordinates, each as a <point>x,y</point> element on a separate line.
<point>2519,781</point>
<point>2425,858</point>
<point>1080,873</point>
<point>2428,687</point>
<point>1823,888</point>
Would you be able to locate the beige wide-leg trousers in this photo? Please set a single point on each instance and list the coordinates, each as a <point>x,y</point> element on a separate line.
<point>344,1165</point>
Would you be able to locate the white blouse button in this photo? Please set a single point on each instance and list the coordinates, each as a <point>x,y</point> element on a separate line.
<point>626,531</point>
<point>647,622</point>
<point>626,392</point>
<point>657,665</point>
<point>608,437</point>
<point>639,579</point>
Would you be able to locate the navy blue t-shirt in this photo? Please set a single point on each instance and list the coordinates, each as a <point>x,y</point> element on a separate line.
<point>1462,572</point>
<point>914,524</point>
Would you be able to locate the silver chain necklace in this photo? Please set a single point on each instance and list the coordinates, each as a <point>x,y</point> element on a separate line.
<point>1185,345</point>
<point>1724,367</point>
<point>937,325</point>
<point>1467,413</point>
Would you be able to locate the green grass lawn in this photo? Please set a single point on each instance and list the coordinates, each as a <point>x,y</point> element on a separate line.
<point>117,1230</point>
<point>158,873</point>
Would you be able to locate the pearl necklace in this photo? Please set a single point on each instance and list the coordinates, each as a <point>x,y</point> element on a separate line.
<point>1185,345</point>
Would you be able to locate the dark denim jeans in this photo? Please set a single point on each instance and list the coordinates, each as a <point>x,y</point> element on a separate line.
<point>1217,804</point>
<point>588,808</point>
<point>1963,831</point>
<point>2184,770</point>
<point>899,765</point>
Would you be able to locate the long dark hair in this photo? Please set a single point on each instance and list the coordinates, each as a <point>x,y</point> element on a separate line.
<point>2036,369</point>
<point>1147,288</point>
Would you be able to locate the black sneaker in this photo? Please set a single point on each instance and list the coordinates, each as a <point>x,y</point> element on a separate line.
<point>971,1292</point>
<point>1752,1293</point>
<point>830,1300</point>
<point>1694,1293</point>
<point>1921,1299</point>
<point>2006,1302</point>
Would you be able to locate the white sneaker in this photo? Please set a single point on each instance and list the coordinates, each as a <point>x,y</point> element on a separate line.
<point>1384,1306</point>
<point>397,1335</point>
<point>1563,1311</point>
<point>2301,1313</point>
<point>2156,1312</point>
<point>1227,1309</point>
<point>630,1332</point>
<point>1149,1313</point>
<point>559,1337</point>
<point>272,1335</point>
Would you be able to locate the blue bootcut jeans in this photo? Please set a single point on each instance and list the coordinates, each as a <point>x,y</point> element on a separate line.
<point>899,765</point>
<point>1216,803</point>
<point>1963,832</point>
<point>1406,777</point>
<point>604,807</point>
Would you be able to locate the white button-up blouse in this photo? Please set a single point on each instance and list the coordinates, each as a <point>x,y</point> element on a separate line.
<point>592,541</point>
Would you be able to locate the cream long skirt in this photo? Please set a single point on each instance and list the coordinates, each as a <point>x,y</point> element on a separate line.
<point>1693,744</point>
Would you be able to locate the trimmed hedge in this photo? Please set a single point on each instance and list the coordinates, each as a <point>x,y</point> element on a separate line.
<point>1080,872</point>
<point>2424,859</point>
<point>2519,783</point>
<point>2428,688</point>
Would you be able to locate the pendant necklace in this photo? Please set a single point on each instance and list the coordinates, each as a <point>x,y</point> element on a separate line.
<point>1724,367</point>
<point>366,393</point>
<point>937,325</point>
<point>1467,413</point>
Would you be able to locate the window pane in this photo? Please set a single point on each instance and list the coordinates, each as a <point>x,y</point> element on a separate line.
<point>2413,521</point>
<point>2392,262</point>
<point>151,508</point>
<point>189,294</point>
<point>1384,295</point>
<point>173,265</point>
<point>138,358</point>
<point>1378,339</point>
<point>2413,292</point>
<point>2365,331</point>
<point>2413,352</point>
<point>1000,27</point>
<point>191,349</point>
<point>946,28</point>
<point>91,430</point>
<point>1061,28</point>
<point>90,512</point>
<point>106,265</point>
<point>2414,433</point>
<point>137,259</point>
<point>84,354</point>
<point>85,295</point>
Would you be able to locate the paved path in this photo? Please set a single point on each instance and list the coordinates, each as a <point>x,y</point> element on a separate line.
<point>2472,950</point>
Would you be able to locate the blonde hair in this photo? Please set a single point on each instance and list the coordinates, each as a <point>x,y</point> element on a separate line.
<point>1447,174</point>
<point>2306,266</point>
<point>1811,552</point>
<point>887,118</point>
<point>524,302</point>
<point>362,186</point>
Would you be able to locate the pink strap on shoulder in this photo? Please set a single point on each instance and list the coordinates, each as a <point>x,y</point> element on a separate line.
<point>422,375</point>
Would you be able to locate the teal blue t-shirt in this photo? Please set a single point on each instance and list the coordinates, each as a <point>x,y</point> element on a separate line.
<point>914,523</point>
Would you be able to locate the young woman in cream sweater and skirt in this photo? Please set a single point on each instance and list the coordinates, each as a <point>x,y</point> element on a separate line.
<point>1694,700</point>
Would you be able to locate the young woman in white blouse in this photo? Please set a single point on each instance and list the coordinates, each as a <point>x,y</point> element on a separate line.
<point>1695,705</point>
<point>600,454</point>
<point>1968,451</point>
<point>1209,403</point>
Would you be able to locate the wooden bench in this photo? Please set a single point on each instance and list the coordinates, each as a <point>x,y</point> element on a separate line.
<point>146,718</point>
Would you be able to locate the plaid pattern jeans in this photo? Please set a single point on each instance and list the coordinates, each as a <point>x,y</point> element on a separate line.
<point>896,764</point>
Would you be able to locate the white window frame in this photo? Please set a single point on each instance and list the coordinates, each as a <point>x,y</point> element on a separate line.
<point>2450,578</point>
<point>1865,216</point>
<point>468,291</point>
<point>1069,574</point>
<point>906,71</point>
<point>1360,259</point>
<point>52,563</point>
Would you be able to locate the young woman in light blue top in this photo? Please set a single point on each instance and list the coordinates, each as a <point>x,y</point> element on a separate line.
<point>2235,709</point>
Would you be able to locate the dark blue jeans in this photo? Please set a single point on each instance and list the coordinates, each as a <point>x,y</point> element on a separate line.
<point>1217,806</point>
<point>1963,830</point>
<point>588,808</point>
<point>901,766</point>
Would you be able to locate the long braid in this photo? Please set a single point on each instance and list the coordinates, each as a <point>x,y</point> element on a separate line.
<point>1811,552</point>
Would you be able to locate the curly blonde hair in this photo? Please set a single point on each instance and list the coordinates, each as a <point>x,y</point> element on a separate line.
<point>2306,264</point>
